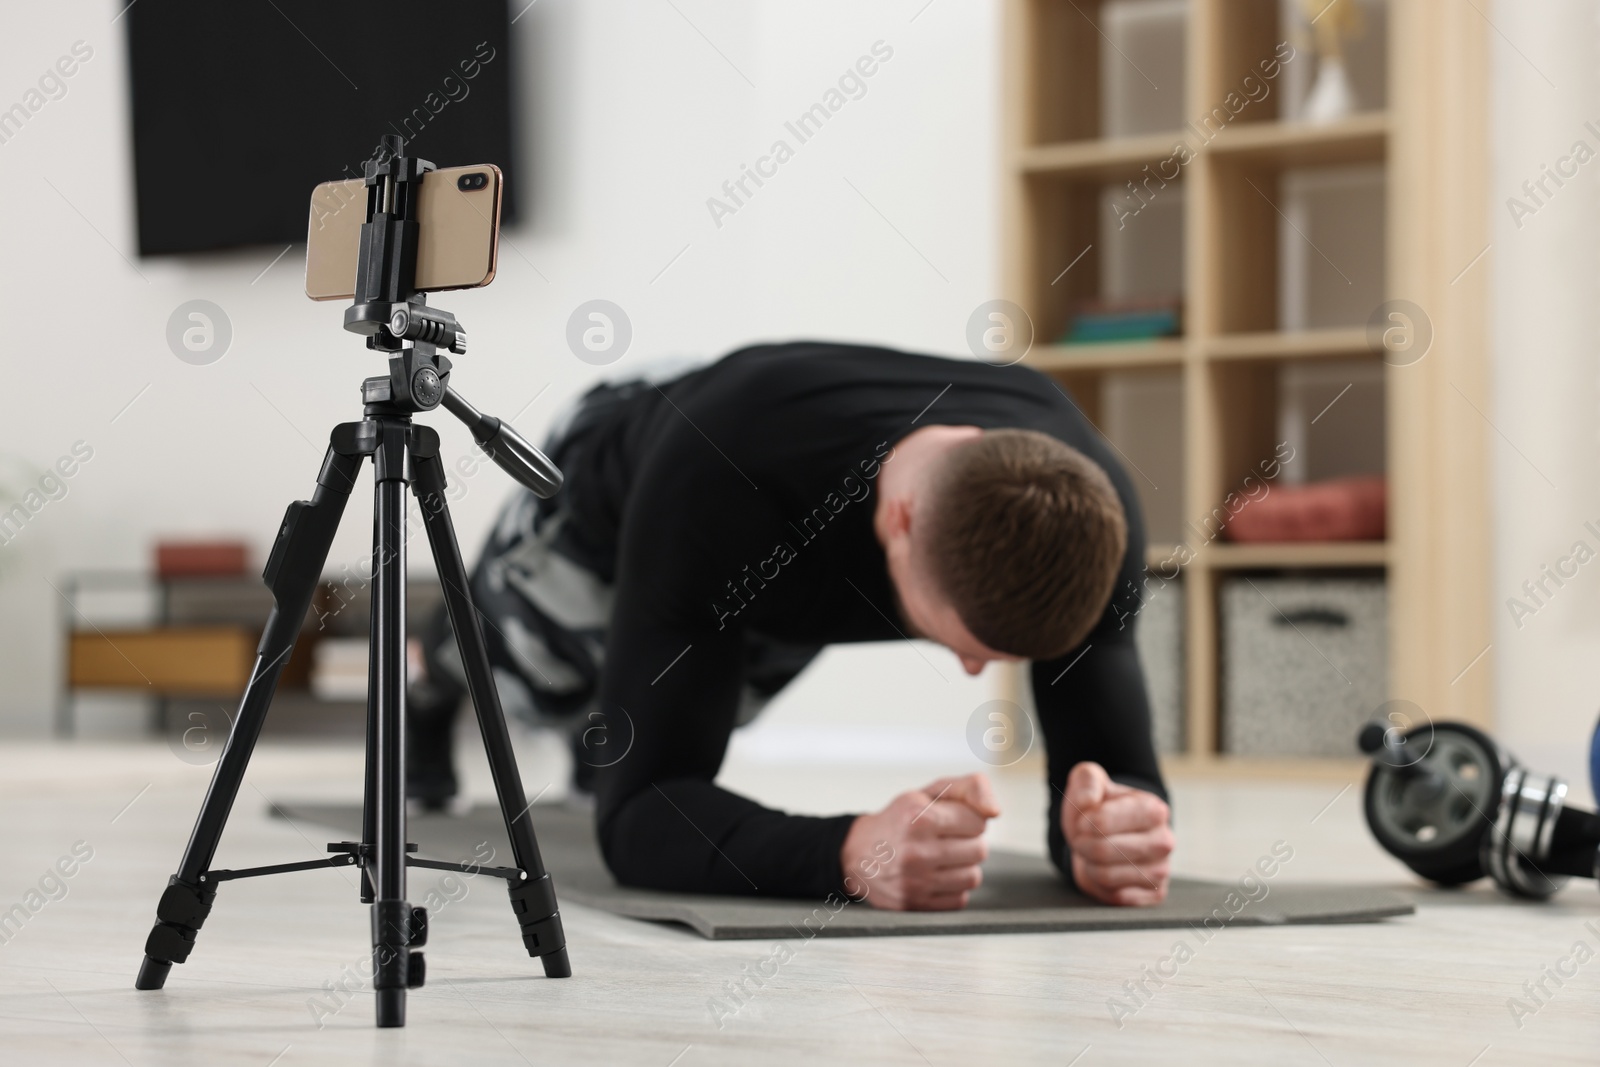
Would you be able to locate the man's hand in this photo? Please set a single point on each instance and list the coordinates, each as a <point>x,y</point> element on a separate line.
<point>923,852</point>
<point>1119,838</point>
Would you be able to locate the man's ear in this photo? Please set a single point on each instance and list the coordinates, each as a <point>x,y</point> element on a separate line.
<point>896,517</point>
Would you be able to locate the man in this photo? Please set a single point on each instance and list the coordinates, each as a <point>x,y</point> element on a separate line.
<point>717,529</point>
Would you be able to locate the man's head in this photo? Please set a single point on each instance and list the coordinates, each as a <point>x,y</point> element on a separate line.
<point>1007,544</point>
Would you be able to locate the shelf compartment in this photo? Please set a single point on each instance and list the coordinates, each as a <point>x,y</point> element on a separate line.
<point>1246,449</point>
<point>1332,413</point>
<point>1141,413</point>
<point>1119,239</point>
<point>1282,423</point>
<point>1244,33</point>
<point>1297,249</point>
<point>1098,68</point>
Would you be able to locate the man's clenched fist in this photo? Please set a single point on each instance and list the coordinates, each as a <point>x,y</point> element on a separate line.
<point>1119,838</point>
<point>925,850</point>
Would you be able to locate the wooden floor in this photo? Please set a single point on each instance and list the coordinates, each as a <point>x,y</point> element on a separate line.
<point>1438,988</point>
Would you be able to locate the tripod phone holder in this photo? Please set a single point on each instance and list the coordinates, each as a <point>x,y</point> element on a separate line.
<point>396,320</point>
<point>1453,805</point>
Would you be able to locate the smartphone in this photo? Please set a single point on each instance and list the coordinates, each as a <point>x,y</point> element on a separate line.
<point>458,240</point>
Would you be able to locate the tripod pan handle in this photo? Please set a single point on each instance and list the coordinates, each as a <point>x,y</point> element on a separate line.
<point>514,454</point>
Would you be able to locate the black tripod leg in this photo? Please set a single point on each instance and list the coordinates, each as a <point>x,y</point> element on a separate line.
<point>292,573</point>
<point>369,803</point>
<point>534,900</point>
<point>391,914</point>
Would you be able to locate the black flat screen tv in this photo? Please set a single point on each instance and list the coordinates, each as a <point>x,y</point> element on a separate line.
<point>240,109</point>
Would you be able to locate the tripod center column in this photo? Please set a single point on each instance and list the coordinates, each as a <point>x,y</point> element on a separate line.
<point>390,912</point>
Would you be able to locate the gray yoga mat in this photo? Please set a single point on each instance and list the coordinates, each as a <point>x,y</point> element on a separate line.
<point>1020,894</point>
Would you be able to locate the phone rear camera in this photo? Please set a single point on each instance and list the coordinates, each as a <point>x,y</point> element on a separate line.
<point>468,182</point>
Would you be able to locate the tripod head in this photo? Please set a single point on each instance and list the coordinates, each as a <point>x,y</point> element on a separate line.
<point>396,319</point>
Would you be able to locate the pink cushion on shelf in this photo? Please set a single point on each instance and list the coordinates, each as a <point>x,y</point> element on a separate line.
<point>1340,509</point>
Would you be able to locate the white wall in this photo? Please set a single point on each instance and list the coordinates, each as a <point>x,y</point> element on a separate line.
<point>633,120</point>
<point>1546,409</point>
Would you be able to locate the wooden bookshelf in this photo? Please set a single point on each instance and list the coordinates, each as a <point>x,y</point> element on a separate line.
<point>1224,556</point>
<point>1166,354</point>
<point>1093,159</point>
<point>1358,139</point>
<point>1348,343</point>
<point>1430,141</point>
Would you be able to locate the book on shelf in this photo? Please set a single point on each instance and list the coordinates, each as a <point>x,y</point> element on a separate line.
<point>1101,321</point>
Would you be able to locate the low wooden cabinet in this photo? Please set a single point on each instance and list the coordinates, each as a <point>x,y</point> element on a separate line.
<point>169,661</point>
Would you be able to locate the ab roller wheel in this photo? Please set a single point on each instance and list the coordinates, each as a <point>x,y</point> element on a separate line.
<point>1452,805</point>
<point>1429,797</point>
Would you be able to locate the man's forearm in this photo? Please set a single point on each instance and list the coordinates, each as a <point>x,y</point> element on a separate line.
<point>692,836</point>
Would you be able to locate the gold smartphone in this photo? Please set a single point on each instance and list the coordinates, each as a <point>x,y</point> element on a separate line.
<point>458,238</point>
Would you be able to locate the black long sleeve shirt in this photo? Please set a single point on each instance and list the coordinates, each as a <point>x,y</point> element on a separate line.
<point>738,500</point>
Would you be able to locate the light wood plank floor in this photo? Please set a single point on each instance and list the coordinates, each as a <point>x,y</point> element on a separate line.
<point>1434,989</point>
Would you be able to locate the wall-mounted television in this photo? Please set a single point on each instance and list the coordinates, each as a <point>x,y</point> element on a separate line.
<point>239,110</point>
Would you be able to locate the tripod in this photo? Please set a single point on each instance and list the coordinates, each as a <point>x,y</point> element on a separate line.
<point>404,454</point>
